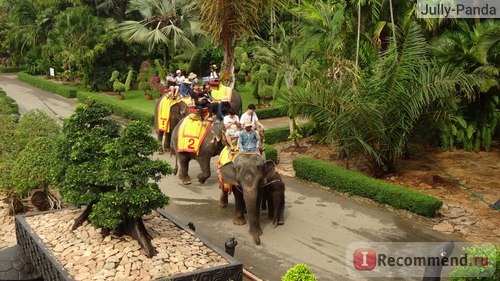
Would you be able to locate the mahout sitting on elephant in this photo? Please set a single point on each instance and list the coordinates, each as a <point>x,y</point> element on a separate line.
<point>250,174</point>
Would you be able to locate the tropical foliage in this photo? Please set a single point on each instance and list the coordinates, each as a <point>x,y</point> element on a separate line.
<point>370,74</point>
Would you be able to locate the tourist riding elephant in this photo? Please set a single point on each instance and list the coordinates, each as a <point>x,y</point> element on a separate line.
<point>177,112</point>
<point>250,173</point>
<point>211,146</point>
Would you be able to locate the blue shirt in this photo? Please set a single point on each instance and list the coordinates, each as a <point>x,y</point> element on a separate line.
<point>248,141</point>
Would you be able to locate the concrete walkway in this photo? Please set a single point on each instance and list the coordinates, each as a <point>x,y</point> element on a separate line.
<point>319,224</point>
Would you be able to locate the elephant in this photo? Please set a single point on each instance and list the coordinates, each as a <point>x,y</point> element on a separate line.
<point>211,146</point>
<point>273,198</point>
<point>250,174</point>
<point>179,111</point>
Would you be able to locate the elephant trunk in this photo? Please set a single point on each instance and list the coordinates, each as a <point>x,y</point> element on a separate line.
<point>250,196</point>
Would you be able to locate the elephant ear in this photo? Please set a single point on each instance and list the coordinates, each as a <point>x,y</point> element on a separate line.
<point>274,185</point>
<point>268,170</point>
<point>228,173</point>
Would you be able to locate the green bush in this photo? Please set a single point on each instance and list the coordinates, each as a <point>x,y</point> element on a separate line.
<point>275,135</point>
<point>35,166</point>
<point>271,153</point>
<point>8,105</point>
<point>270,112</point>
<point>35,123</point>
<point>355,183</point>
<point>10,69</point>
<point>109,168</point>
<point>47,85</point>
<point>488,272</point>
<point>281,134</point>
<point>299,272</point>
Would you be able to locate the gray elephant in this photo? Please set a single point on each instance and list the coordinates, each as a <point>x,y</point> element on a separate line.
<point>273,198</point>
<point>177,112</point>
<point>250,173</point>
<point>211,146</point>
<point>163,131</point>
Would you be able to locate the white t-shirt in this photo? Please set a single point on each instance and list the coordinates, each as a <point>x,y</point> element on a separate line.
<point>245,117</point>
<point>233,129</point>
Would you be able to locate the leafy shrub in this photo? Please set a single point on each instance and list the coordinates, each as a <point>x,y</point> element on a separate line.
<point>10,69</point>
<point>355,183</point>
<point>483,273</point>
<point>35,123</point>
<point>109,169</point>
<point>271,153</point>
<point>281,134</point>
<point>270,112</point>
<point>8,105</point>
<point>299,272</point>
<point>35,166</point>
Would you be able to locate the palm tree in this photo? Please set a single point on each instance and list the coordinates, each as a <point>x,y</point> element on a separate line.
<point>285,60</point>
<point>78,36</point>
<point>228,21</point>
<point>476,48</point>
<point>165,22</point>
<point>375,116</point>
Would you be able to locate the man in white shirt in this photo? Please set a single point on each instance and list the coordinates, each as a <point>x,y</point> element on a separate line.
<point>233,127</point>
<point>251,117</point>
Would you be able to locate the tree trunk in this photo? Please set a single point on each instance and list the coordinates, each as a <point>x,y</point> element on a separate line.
<point>393,26</point>
<point>228,47</point>
<point>136,229</point>
<point>83,216</point>
<point>359,33</point>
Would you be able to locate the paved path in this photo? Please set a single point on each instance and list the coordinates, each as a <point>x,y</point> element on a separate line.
<point>319,224</point>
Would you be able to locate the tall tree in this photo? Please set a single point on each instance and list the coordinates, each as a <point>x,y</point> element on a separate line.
<point>228,21</point>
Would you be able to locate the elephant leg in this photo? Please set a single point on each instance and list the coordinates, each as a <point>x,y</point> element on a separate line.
<point>279,208</point>
<point>271,206</point>
<point>160,135</point>
<point>205,169</point>
<point>239,207</point>
<point>183,169</point>
<point>223,197</point>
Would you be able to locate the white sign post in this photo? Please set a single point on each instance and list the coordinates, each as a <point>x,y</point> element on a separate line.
<point>52,73</point>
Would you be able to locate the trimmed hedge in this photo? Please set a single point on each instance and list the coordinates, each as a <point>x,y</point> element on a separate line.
<point>271,153</point>
<point>118,109</point>
<point>355,183</point>
<point>270,112</point>
<point>281,134</point>
<point>10,69</point>
<point>47,85</point>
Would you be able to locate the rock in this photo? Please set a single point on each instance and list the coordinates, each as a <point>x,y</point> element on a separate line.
<point>443,226</point>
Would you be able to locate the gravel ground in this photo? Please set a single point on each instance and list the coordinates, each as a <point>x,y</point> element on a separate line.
<point>86,255</point>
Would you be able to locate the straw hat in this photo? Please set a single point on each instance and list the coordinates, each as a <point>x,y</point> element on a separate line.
<point>214,66</point>
<point>192,76</point>
<point>178,71</point>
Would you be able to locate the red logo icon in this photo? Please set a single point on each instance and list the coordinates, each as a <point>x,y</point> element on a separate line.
<point>365,259</point>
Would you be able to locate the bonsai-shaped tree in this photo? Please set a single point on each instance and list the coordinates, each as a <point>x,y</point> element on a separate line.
<point>146,72</point>
<point>110,172</point>
<point>119,86</point>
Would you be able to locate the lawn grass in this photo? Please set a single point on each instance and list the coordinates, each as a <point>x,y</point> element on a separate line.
<point>133,99</point>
